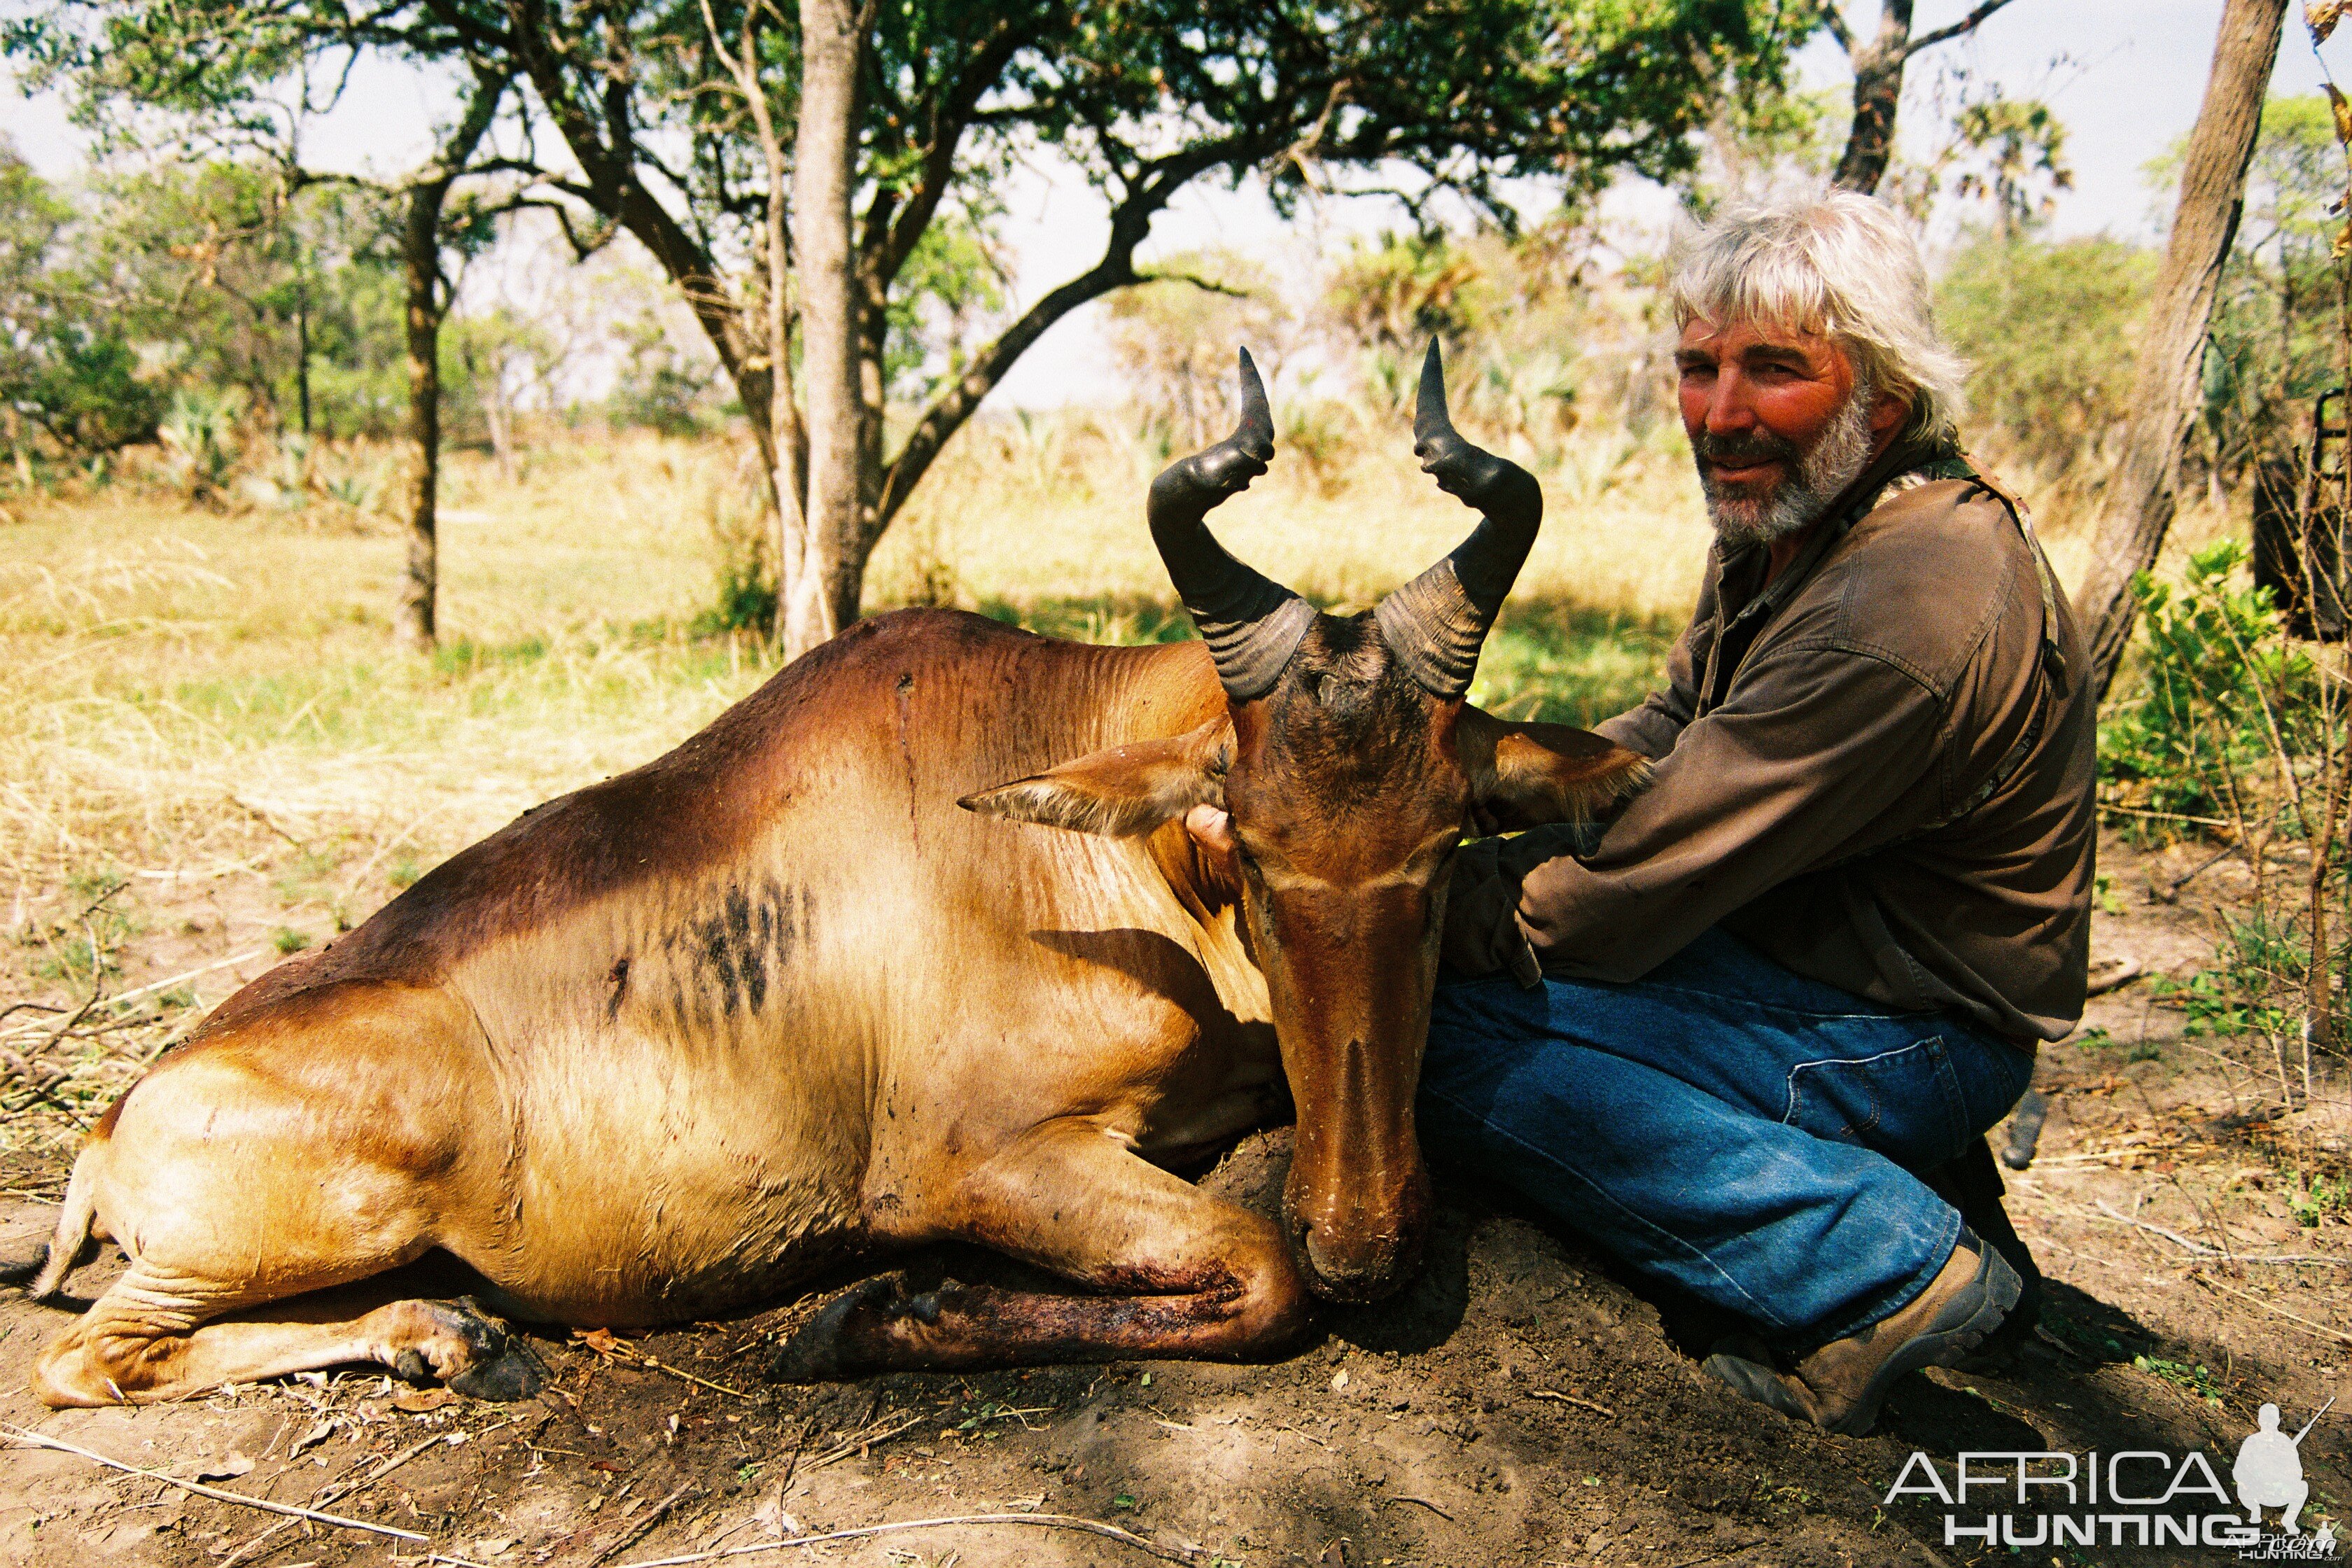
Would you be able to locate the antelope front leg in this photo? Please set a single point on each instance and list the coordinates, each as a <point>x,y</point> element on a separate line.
<point>1178,1273</point>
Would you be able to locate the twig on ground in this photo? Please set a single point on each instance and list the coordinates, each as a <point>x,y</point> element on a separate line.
<point>631,1534</point>
<point>1732,1551</point>
<point>2138,811</point>
<point>2320,1331</point>
<point>867,1439</point>
<point>604,1344</point>
<point>91,908</point>
<point>1425,1502</point>
<point>337,1494</point>
<point>154,985</point>
<point>36,1440</point>
<point>1572,1399</point>
<point>2170,893</point>
<point>2129,971</point>
<point>2199,1248</point>
<point>792,1460</point>
<point>266,820</point>
<point>2096,1157</point>
<point>97,992</point>
<point>1034,1520</point>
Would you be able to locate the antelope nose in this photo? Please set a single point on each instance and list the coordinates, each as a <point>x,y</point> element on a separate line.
<point>1366,1267</point>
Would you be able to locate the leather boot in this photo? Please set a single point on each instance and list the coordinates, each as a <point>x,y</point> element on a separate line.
<point>1840,1387</point>
<point>1972,1184</point>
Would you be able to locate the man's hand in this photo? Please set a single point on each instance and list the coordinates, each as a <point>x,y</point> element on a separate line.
<point>1482,926</point>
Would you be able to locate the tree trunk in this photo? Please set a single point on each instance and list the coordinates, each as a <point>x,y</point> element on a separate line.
<point>303,349</point>
<point>415,621</point>
<point>823,169</point>
<point>420,255</point>
<point>1877,90</point>
<point>2139,501</point>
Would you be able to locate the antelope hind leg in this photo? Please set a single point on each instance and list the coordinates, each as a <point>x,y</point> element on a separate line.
<point>1180,1274</point>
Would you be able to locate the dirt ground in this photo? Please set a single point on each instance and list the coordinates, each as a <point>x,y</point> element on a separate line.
<point>1521,1404</point>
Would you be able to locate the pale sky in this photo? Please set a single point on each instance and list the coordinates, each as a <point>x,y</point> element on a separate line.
<point>2125,76</point>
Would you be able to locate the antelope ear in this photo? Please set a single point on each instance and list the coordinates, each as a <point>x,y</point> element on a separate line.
<point>1524,775</point>
<point>1121,791</point>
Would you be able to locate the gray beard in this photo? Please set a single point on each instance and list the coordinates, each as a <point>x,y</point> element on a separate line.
<point>1835,460</point>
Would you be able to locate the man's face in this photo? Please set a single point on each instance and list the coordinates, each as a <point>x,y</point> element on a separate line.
<point>1779,425</point>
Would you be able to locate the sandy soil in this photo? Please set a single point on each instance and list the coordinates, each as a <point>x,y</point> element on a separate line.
<point>1522,1403</point>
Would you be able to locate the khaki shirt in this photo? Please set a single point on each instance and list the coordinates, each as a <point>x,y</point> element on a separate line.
<point>1874,771</point>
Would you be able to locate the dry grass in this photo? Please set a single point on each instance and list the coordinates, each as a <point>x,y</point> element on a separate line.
<point>210,750</point>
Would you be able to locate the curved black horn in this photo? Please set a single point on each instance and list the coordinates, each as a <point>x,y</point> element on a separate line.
<point>1251,624</point>
<point>1436,624</point>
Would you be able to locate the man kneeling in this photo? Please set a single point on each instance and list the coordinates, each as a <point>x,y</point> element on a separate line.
<point>1816,956</point>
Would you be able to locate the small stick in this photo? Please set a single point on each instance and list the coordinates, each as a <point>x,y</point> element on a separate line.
<point>2202,1249</point>
<point>835,1455</point>
<point>338,1494</point>
<point>263,817</point>
<point>632,1533</point>
<point>2171,893</point>
<point>1571,1399</point>
<point>792,1463</point>
<point>1036,1520</point>
<point>2334,1336</point>
<point>701,1381</point>
<point>1427,1504</point>
<point>2129,971</point>
<point>153,986</point>
<point>35,1440</point>
<point>639,1358</point>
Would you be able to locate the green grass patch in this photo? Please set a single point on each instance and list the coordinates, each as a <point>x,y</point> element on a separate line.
<point>1562,663</point>
<point>2197,1380</point>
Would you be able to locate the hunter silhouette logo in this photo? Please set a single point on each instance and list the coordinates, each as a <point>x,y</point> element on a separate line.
<point>2269,1471</point>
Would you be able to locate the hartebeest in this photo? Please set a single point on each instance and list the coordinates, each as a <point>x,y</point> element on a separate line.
<point>787,997</point>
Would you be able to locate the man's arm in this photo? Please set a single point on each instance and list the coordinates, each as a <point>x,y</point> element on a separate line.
<point>1797,773</point>
<point>1651,729</point>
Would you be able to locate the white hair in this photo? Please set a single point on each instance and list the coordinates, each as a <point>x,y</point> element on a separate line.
<point>1834,262</point>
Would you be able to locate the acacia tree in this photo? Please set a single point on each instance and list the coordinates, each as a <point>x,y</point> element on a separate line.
<point>1878,63</point>
<point>1416,99</point>
<point>239,73</point>
<point>680,121</point>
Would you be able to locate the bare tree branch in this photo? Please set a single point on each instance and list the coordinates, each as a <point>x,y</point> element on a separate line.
<point>1967,24</point>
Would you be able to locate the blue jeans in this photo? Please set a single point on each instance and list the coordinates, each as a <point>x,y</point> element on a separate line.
<point>1739,1131</point>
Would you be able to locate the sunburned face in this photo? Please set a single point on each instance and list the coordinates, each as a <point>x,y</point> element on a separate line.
<point>1779,425</point>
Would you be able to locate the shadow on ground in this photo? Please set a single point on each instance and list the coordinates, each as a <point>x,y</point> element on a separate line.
<point>1517,1405</point>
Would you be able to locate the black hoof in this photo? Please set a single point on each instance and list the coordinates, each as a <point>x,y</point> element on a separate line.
<point>412,1368</point>
<point>499,1366</point>
<point>513,1373</point>
<point>816,1353</point>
